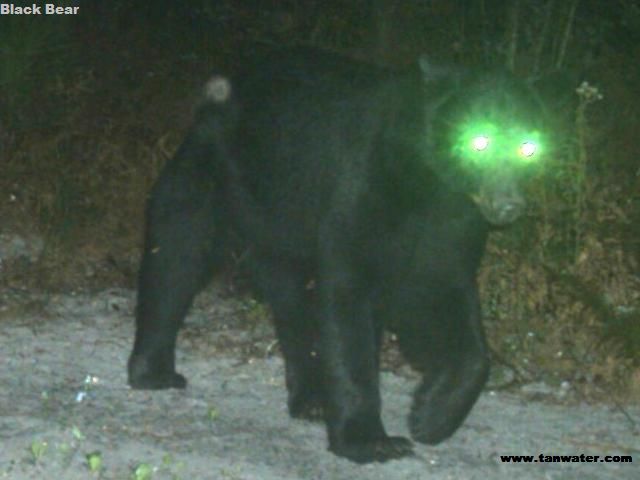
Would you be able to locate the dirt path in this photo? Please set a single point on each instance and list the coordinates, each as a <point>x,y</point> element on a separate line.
<point>64,396</point>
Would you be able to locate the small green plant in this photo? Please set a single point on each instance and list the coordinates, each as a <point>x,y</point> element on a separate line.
<point>94,461</point>
<point>38,449</point>
<point>143,471</point>
<point>212,414</point>
<point>77,434</point>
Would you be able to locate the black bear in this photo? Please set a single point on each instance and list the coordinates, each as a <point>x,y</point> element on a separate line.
<point>381,186</point>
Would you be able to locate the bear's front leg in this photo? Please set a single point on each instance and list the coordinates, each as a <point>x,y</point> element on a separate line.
<point>349,351</point>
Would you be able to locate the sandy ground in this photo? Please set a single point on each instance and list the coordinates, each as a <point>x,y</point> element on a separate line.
<point>64,400</point>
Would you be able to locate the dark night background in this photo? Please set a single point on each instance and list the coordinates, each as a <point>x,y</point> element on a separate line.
<point>92,105</point>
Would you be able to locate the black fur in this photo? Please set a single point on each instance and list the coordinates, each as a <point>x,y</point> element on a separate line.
<point>338,172</point>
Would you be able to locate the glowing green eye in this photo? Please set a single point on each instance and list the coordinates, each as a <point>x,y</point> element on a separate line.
<point>491,144</point>
<point>528,149</point>
<point>479,143</point>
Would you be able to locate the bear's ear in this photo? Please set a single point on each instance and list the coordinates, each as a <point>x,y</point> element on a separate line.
<point>430,71</point>
<point>434,72</point>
